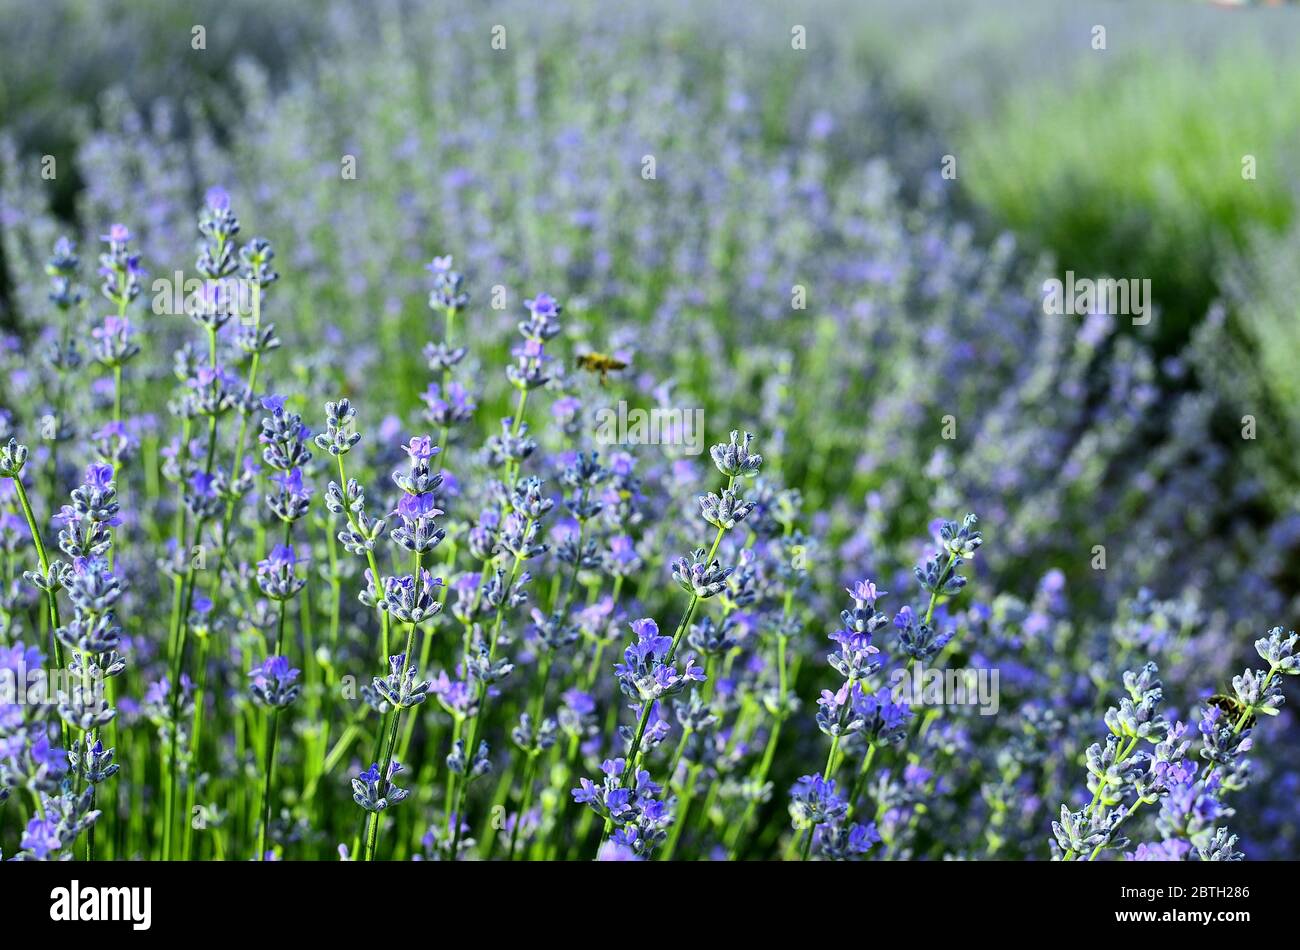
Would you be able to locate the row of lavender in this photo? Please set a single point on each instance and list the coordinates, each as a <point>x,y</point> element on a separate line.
<point>708,719</point>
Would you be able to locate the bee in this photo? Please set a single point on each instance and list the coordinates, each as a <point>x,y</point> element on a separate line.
<point>1233,709</point>
<point>601,363</point>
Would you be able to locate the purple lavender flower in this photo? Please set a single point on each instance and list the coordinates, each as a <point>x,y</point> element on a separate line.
<point>814,800</point>
<point>375,795</point>
<point>645,675</point>
<point>421,448</point>
<point>633,809</point>
<point>274,683</point>
<point>292,499</point>
<point>410,599</point>
<point>401,688</point>
<point>453,408</point>
<point>276,573</point>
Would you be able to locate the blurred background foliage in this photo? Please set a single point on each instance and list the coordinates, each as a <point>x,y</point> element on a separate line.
<point>50,104</point>
<point>1129,161</point>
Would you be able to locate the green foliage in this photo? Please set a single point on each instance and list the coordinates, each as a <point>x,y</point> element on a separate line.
<point>1141,174</point>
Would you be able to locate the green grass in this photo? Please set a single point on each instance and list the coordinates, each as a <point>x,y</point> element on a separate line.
<point>1140,174</point>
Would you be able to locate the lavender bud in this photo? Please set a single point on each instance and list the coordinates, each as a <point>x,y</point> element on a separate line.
<point>699,578</point>
<point>13,457</point>
<point>374,794</point>
<point>340,435</point>
<point>725,512</point>
<point>733,458</point>
<point>402,687</point>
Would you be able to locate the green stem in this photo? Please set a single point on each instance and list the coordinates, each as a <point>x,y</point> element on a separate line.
<point>51,600</point>
<point>266,788</point>
<point>476,729</point>
<point>827,773</point>
<point>370,557</point>
<point>527,802</point>
<point>372,841</point>
<point>680,823</point>
<point>196,727</point>
<point>861,779</point>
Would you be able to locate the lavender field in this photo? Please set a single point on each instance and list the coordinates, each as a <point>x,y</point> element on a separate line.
<point>458,432</point>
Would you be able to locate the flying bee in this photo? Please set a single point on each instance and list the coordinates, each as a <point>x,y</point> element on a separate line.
<point>601,363</point>
<point>1233,709</point>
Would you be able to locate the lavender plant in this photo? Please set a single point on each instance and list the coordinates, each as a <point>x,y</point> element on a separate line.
<point>382,552</point>
<point>708,718</point>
